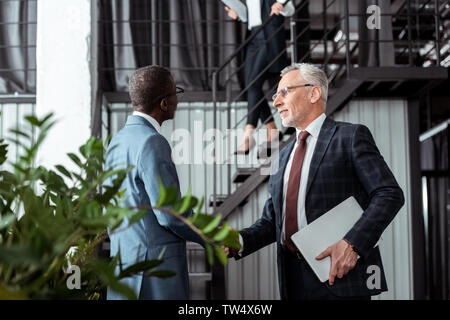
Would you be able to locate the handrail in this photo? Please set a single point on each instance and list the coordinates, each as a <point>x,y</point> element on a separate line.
<point>300,6</point>
<point>262,72</point>
<point>247,41</point>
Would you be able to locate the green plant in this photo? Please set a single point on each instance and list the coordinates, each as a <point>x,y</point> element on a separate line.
<point>52,218</point>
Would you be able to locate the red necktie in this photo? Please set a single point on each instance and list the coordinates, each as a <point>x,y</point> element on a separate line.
<point>291,224</point>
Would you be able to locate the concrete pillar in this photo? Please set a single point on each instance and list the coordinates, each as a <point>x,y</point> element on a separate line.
<point>66,75</point>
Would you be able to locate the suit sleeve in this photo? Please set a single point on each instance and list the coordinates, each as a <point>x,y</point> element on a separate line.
<point>156,161</point>
<point>386,197</point>
<point>261,233</point>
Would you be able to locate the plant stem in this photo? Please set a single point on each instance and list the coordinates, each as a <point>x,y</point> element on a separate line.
<point>180,217</point>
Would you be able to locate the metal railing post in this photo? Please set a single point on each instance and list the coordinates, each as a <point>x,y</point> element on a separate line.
<point>325,40</point>
<point>438,31</point>
<point>228,94</point>
<point>347,36</point>
<point>214,96</point>
<point>154,33</point>
<point>410,56</point>
<point>293,41</point>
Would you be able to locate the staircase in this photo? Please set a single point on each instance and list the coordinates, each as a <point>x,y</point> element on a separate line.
<point>416,71</point>
<point>408,77</point>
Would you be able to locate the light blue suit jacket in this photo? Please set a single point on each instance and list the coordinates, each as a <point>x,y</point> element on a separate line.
<point>140,145</point>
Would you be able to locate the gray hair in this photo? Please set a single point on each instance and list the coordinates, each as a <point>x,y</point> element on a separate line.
<point>312,75</point>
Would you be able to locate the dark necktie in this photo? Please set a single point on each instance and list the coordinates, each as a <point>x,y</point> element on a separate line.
<point>291,223</point>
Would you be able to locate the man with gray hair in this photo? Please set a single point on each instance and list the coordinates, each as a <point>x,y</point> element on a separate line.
<point>327,163</point>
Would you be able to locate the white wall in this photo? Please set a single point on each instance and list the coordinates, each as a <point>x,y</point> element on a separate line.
<point>388,122</point>
<point>65,81</point>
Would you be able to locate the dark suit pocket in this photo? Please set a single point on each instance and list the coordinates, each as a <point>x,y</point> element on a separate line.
<point>365,279</point>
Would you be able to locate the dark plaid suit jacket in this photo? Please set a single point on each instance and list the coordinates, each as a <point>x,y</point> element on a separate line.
<point>346,162</point>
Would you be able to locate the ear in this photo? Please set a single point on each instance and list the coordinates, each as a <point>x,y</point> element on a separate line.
<point>315,93</point>
<point>163,104</point>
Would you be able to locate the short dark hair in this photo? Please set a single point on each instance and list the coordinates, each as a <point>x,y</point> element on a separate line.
<point>147,84</point>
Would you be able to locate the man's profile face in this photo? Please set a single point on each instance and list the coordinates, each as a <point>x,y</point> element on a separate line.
<point>296,105</point>
<point>172,101</point>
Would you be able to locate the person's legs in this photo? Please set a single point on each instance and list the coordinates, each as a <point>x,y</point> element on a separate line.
<point>255,62</point>
<point>294,283</point>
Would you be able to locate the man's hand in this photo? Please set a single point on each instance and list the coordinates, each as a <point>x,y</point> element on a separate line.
<point>230,252</point>
<point>276,8</point>
<point>343,259</point>
<point>231,13</point>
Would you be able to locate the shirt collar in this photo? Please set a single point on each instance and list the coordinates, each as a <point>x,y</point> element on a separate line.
<point>150,119</point>
<point>314,127</point>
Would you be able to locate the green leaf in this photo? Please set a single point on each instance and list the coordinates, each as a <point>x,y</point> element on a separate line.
<point>33,120</point>
<point>6,221</point>
<point>209,254</point>
<point>139,267</point>
<point>20,133</point>
<point>232,240</point>
<point>3,153</point>
<point>222,233</point>
<point>19,255</point>
<point>64,171</point>
<point>121,193</point>
<point>186,203</point>
<point>161,274</point>
<point>8,295</point>
<point>166,196</point>
<point>75,159</point>
<point>137,216</point>
<point>221,255</point>
<point>213,224</point>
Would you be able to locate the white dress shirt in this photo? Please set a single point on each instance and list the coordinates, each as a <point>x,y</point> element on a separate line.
<point>254,12</point>
<point>314,130</point>
<point>150,119</point>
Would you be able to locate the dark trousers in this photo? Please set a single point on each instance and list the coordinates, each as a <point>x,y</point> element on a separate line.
<point>255,62</point>
<point>303,284</point>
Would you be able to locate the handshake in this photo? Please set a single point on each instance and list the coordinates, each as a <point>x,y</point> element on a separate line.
<point>231,252</point>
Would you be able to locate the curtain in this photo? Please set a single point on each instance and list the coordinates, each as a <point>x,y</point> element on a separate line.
<point>18,46</point>
<point>182,35</point>
<point>434,160</point>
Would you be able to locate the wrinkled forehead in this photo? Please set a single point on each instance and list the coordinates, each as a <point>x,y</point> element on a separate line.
<point>291,78</point>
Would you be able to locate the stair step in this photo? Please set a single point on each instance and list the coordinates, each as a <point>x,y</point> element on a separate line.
<point>220,198</point>
<point>243,174</point>
<point>200,276</point>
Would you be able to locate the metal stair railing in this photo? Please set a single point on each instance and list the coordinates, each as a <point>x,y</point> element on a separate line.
<point>351,46</point>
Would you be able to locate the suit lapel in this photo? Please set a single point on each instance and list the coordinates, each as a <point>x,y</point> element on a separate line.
<point>278,176</point>
<point>325,135</point>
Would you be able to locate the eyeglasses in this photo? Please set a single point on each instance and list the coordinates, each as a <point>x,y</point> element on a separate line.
<point>284,91</point>
<point>178,90</point>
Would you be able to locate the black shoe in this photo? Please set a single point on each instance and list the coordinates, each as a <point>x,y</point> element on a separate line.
<point>247,151</point>
<point>265,149</point>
